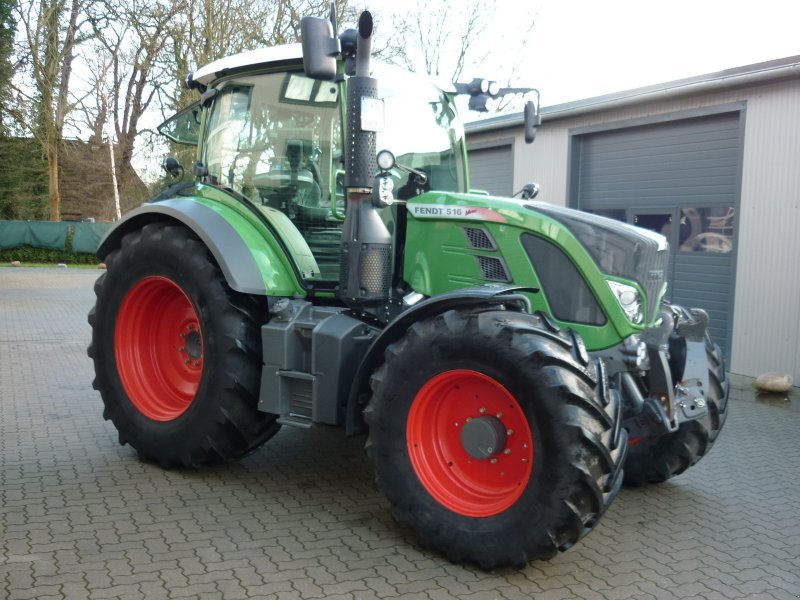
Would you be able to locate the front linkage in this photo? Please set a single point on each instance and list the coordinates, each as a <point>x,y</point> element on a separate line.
<point>675,392</point>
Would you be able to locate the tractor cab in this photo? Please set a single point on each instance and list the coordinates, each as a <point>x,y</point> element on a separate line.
<point>276,139</point>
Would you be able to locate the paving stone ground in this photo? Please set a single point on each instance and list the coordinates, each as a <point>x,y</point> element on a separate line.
<point>81,517</point>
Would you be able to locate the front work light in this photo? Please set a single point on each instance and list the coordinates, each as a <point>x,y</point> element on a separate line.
<point>629,300</point>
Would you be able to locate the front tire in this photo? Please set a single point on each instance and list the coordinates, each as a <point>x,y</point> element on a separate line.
<point>494,437</point>
<point>177,353</point>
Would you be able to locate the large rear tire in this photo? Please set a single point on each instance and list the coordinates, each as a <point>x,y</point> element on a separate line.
<point>494,437</point>
<point>177,353</point>
<point>657,459</point>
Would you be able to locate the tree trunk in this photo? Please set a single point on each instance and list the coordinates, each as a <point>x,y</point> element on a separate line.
<point>55,192</point>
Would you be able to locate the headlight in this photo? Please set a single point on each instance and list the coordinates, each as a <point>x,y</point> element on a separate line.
<point>629,299</point>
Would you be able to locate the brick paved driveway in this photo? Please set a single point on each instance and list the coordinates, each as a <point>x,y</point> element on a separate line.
<point>81,517</point>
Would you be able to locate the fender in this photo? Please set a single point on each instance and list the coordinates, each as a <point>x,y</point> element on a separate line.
<point>247,270</point>
<point>480,296</point>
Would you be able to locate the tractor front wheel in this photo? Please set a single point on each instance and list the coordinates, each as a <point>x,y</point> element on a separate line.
<point>177,353</point>
<point>494,437</point>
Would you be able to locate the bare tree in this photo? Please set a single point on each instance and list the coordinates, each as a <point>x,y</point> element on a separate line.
<point>51,30</point>
<point>133,36</point>
<point>453,44</point>
<point>207,30</point>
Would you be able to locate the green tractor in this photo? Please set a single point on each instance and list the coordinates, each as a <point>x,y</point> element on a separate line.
<point>503,356</point>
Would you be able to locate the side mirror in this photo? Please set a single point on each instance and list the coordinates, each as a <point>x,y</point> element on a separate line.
<point>320,48</point>
<point>528,191</point>
<point>172,166</point>
<point>532,120</point>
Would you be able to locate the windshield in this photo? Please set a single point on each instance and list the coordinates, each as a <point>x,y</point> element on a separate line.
<point>422,130</point>
<point>267,128</point>
<point>275,138</point>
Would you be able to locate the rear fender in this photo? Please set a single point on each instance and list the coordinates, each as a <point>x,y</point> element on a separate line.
<point>481,296</point>
<point>250,268</point>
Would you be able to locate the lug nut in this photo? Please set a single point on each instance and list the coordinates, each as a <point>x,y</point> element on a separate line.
<point>483,410</point>
<point>510,432</point>
<point>499,415</point>
<point>493,461</point>
<point>507,451</point>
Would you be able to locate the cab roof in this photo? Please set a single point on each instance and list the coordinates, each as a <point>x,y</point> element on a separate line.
<point>288,53</point>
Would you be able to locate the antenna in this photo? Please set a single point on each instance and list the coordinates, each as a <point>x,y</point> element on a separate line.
<point>333,19</point>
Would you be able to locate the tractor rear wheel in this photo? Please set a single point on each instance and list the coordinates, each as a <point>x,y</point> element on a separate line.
<point>177,353</point>
<point>494,437</point>
<point>656,459</point>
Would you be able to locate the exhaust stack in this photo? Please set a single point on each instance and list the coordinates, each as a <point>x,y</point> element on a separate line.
<point>366,255</point>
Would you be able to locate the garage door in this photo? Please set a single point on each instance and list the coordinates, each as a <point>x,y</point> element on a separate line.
<point>492,170</point>
<point>680,178</point>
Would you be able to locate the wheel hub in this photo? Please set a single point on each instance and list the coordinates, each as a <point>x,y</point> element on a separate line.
<point>483,437</point>
<point>193,344</point>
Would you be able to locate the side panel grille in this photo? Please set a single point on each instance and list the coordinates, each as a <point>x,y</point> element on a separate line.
<point>493,269</point>
<point>479,238</point>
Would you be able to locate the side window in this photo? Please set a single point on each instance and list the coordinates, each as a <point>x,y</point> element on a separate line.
<point>183,127</point>
<point>276,138</point>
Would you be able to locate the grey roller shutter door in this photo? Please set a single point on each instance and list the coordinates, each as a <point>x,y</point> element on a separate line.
<point>492,170</point>
<point>688,164</point>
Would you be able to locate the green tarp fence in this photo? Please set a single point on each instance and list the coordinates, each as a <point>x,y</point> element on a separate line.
<point>52,235</point>
<point>86,236</point>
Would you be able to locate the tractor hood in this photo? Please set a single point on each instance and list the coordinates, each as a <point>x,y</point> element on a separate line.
<point>618,249</point>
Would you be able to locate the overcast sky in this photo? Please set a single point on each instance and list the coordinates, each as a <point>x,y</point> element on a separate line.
<point>583,48</point>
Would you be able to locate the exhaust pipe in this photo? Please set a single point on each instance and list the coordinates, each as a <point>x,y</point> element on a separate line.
<point>366,257</point>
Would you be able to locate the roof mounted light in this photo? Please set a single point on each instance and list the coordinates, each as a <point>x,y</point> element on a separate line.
<point>482,103</point>
<point>478,87</point>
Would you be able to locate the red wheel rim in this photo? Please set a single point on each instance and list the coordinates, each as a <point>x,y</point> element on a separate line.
<point>456,479</point>
<point>159,348</point>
